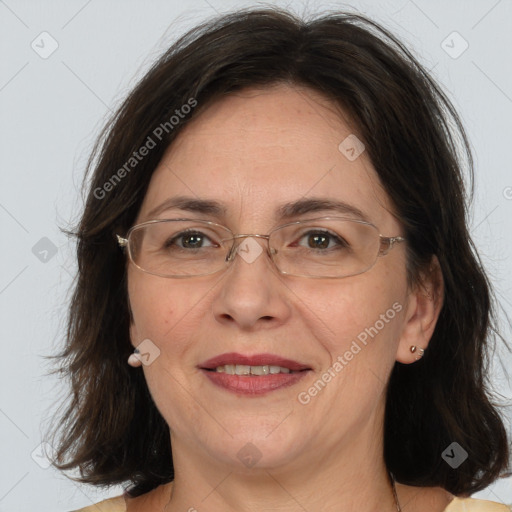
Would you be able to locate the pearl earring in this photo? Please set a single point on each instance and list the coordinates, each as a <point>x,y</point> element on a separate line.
<point>134,360</point>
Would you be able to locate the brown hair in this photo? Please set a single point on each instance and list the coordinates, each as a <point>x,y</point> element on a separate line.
<point>111,429</point>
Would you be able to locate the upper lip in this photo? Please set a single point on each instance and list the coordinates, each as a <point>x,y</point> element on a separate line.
<point>253,360</point>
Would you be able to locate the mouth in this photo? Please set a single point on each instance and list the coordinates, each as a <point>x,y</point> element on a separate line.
<point>244,369</point>
<point>233,363</point>
<point>253,375</point>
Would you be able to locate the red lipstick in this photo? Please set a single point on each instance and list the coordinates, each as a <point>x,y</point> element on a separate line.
<point>254,360</point>
<point>253,384</point>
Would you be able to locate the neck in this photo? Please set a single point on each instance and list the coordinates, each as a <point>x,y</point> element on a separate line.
<point>351,477</point>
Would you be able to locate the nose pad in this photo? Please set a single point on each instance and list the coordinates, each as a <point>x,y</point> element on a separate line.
<point>229,255</point>
<point>248,248</point>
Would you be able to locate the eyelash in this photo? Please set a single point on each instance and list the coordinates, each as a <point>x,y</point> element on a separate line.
<point>339,241</point>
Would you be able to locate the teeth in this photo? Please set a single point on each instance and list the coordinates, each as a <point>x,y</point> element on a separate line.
<point>243,369</point>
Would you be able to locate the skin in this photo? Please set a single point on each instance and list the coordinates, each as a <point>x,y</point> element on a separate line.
<point>253,151</point>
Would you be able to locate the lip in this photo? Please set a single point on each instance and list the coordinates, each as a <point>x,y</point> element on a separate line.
<point>252,360</point>
<point>253,385</point>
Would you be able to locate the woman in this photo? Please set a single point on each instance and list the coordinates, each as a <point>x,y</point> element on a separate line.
<point>278,304</point>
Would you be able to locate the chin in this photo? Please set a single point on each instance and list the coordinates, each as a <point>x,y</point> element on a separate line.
<point>256,449</point>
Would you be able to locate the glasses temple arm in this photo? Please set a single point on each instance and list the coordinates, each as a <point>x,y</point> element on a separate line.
<point>387,243</point>
<point>123,242</point>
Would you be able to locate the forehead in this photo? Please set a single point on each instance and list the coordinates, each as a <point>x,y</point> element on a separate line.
<point>260,148</point>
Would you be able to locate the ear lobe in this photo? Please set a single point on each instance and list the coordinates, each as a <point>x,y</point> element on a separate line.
<point>422,312</point>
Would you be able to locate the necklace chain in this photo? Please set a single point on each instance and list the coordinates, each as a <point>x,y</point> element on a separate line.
<point>398,508</point>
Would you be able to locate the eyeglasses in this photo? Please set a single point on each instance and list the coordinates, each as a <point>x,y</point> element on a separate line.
<point>325,247</point>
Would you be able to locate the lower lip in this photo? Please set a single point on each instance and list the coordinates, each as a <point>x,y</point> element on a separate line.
<point>254,385</point>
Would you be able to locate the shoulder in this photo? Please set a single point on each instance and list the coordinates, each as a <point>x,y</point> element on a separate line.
<point>117,504</point>
<point>155,499</point>
<point>473,505</point>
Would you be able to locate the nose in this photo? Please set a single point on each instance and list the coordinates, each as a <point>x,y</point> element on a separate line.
<point>241,245</point>
<point>252,293</point>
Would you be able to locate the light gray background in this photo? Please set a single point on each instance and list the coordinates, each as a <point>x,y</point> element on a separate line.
<point>51,110</point>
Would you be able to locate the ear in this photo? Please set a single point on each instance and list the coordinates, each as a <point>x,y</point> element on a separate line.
<point>422,312</point>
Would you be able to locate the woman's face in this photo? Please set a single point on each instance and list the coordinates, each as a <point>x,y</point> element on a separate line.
<point>252,152</point>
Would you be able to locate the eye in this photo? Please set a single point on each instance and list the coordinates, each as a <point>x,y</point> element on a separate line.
<point>321,239</point>
<point>189,239</point>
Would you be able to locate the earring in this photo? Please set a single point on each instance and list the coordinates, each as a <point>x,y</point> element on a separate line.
<point>421,351</point>
<point>134,360</point>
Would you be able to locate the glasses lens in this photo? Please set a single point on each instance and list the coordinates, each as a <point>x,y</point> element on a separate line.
<point>325,247</point>
<point>179,248</point>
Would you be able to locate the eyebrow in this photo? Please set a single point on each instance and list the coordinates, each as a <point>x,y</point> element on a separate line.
<point>285,211</point>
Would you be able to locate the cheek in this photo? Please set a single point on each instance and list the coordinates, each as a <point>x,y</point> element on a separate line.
<point>353,307</point>
<point>168,312</point>
<point>363,314</point>
<point>153,307</point>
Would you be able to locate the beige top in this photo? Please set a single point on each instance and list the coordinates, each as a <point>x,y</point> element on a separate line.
<point>118,504</point>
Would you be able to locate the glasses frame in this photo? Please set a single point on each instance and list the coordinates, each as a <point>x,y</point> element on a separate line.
<point>386,244</point>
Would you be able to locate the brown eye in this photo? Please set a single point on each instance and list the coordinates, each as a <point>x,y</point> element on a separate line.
<point>322,240</point>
